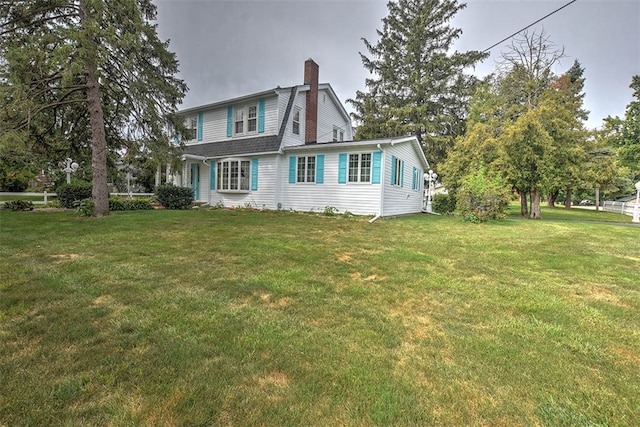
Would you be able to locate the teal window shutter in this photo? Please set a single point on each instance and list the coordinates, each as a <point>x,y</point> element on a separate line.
<point>376,167</point>
<point>414,181</point>
<point>261,116</point>
<point>320,169</point>
<point>342,168</point>
<point>200,120</point>
<point>254,174</point>
<point>229,121</point>
<point>292,169</point>
<point>393,170</point>
<point>212,179</point>
<point>401,173</point>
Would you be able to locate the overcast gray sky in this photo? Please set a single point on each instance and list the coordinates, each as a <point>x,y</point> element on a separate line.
<point>233,48</point>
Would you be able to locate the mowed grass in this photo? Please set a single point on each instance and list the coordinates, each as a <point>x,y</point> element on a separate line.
<point>239,318</point>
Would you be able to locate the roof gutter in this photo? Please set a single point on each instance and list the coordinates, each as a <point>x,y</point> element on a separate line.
<point>194,157</point>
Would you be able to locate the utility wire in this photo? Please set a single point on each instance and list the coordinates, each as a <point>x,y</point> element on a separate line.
<point>528,26</point>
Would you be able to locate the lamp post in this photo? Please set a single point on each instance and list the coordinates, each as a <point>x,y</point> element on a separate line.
<point>431,176</point>
<point>69,167</point>
<point>636,209</point>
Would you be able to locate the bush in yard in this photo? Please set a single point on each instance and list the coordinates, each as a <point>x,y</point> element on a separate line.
<point>444,203</point>
<point>481,197</point>
<point>172,197</point>
<point>116,204</point>
<point>68,194</point>
<point>84,207</point>
<point>19,205</point>
<point>14,181</point>
<point>137,205</point>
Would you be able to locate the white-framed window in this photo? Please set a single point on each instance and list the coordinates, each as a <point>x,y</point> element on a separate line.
<point>239,120</point>
<point>338,134</point>
<point>245,119</point>
<point>234,175</point>
<point>306,169</point>
<point>192,131</point>
<point>252,119</point>
<point>360,167</point>
<point>296,121</point>
<point>397,172</point>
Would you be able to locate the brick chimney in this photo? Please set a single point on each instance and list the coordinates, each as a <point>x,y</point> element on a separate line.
<point>311,73</point>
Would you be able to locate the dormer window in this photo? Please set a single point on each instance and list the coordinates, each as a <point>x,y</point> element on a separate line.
<point>296,122</point>
<point>193,128</point>
<point>338,134</point>
<point>239,129</point>
<point>252,119</point>
<point>245,119</point>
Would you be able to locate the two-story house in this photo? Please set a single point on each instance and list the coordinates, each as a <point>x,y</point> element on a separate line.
<point>292,148</point>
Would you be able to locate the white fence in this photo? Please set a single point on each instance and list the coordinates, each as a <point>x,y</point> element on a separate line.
<point>619,207</point>
<point>46,196</point>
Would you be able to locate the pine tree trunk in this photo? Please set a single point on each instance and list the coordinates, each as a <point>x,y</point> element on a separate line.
<point>597,198</point>
<point>535,204</point>
<point>523,204</point>
<point>567,201</point>
<point>100,191</point>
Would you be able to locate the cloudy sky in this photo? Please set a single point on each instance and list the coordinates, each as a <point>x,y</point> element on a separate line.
<point>233,48</point>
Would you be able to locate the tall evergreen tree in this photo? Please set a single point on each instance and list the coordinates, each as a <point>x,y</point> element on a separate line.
<point>78,69</point>
<point>418,86</point>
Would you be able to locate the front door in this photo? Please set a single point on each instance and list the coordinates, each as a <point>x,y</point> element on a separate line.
<point>195,180</point>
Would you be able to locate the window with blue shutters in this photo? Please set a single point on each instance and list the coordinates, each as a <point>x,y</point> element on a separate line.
<point>246,119</point>
<point>359,167</point>
<point>233,176</point>
<point>307,169</point>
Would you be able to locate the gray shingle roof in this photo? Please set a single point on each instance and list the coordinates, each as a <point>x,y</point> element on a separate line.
<point>261,144</point>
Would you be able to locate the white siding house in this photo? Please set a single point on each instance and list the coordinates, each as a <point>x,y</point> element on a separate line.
<point>293,148</point>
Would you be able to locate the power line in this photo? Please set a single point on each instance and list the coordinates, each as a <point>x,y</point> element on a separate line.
<point>528,26</point>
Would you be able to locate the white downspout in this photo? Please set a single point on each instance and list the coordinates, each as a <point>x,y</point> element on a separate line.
<point>381,213</point>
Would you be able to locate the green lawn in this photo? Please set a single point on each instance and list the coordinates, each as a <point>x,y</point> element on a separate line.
<point>241,318</point>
